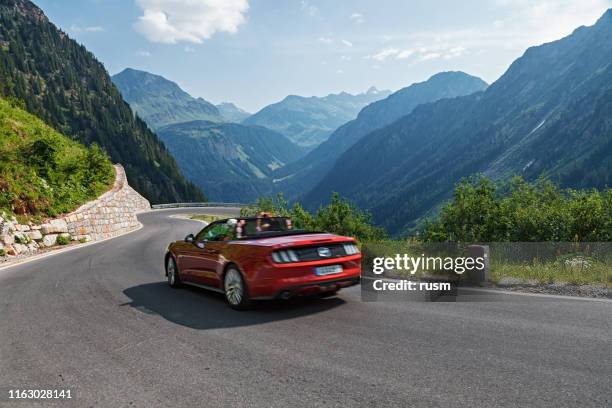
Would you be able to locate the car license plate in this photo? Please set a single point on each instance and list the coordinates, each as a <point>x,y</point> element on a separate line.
<point>328,270</point>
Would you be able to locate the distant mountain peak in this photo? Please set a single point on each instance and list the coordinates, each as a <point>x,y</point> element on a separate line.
<point>231,112</point>
<point>308,171</point>
<point>372,90</point>
<point>309,120</point>
<point>134,71</point>
<point>451,74</point>
<point>161,102</point>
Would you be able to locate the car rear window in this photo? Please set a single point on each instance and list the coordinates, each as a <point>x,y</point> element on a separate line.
<point>264,226</point>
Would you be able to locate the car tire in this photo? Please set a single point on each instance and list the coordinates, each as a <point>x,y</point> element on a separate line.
<point>172,273</point>
<point>235,289</point>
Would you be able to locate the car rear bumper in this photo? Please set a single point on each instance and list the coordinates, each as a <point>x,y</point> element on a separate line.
<point>300,280</point>
<point>316,288</point>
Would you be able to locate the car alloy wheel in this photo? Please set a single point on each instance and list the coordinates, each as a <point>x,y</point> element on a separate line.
<point>172,273</point>
<point>235,289</point>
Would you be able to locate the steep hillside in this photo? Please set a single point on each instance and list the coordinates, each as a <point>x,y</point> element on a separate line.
<point>231,162</point>
<point>62,83</point>
<point>301,176</point>
<point>161,102</point>
<point>308,121</point>
<point>232,113</point>
<point>549,114</point>
<point>44,173</point>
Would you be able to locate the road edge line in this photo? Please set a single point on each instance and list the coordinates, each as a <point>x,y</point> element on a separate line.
<point>23,261</point>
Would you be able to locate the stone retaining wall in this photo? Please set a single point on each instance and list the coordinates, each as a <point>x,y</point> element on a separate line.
<point>110,215</point>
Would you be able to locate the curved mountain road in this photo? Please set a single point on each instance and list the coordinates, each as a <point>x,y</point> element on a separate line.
<point>102,321</point>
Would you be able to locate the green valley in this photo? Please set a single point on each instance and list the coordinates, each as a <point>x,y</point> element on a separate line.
<point>231,162</point>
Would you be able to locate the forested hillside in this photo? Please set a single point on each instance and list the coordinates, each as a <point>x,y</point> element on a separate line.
<point>63,84</point>
<point>548,115</point>
<point>299,177</point>
<point>231,162</point>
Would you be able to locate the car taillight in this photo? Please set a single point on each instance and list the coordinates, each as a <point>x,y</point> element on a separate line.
<point>285,256</point>
<point>350,249</point>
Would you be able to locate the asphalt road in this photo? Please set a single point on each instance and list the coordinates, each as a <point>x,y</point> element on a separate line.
<point>102,321</point>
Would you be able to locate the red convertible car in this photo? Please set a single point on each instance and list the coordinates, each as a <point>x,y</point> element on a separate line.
<point>263,258</point>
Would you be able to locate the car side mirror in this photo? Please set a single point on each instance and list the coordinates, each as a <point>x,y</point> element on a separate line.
<point>189,238</point>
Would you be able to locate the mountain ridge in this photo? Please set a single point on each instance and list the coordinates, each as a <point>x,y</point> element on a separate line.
<point>302,175</point>
<point>545,115</point>
<point>160,101</point>
<point>232,113</point>
<point>309,120</point>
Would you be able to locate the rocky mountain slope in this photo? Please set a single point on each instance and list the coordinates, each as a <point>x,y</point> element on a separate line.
<point>549,115</point>
<point>301,176</point>
<point>161,102</point>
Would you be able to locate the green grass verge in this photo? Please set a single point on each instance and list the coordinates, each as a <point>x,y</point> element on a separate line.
<point>206,218</point>
<point>563,265</point>
<point>42,172</point>
<point>593,272</point>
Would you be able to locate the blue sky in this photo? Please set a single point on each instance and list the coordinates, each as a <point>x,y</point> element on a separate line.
<point>255,52</point>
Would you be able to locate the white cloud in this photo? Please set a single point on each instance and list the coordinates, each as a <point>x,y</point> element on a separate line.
<point>91,29</point>
<point>357,18</point>
<point>384,54</point>
<point>454,52</point>
<point>339,71</point>
<point>437,50</point>
<point>525,23</point>
<point>345,58</point>
<point>172,21</point>
<point>347,43</point>
<point>404,54</point>
<point>325,40</point>
<point>429,56</point>
<point>309,9</point>
<point>547,20</point>
<point>143,53</point>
